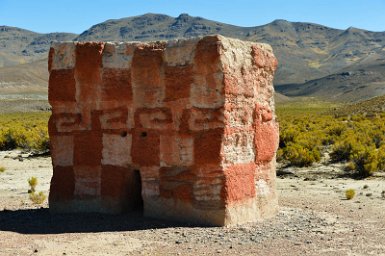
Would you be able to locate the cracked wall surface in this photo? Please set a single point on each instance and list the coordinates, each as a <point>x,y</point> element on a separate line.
<point>186,127</point>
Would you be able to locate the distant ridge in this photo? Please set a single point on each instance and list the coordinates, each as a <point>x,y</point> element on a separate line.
<point>308,53</point>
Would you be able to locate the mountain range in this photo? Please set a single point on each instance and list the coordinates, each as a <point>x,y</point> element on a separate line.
<point>314,60</point>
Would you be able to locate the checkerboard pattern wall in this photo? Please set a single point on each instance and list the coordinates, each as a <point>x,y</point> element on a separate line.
<point>186,127</point>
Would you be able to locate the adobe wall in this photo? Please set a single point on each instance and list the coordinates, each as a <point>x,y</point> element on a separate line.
<point>187,126</point>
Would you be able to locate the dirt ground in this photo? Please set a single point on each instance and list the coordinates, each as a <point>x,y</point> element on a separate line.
<point>314,219</point>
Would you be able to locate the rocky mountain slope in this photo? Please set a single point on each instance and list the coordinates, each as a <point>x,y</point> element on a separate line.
<point>19,46</point>
<point>311,57</point>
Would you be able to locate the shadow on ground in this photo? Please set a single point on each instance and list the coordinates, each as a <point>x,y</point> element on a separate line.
<point>40,221</point>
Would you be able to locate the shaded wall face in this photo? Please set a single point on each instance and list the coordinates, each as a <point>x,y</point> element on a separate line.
<point>186,126</point>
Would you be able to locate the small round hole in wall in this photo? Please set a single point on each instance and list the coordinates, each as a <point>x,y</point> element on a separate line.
<point>143,134</point>
<point>123,134</point>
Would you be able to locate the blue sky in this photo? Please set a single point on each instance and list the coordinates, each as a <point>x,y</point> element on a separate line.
<point>78,15</point>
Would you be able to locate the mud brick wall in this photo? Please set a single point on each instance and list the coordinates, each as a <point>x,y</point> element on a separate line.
<point>185,129</point>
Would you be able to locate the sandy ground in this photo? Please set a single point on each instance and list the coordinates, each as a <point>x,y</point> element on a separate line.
<point>314,219</point>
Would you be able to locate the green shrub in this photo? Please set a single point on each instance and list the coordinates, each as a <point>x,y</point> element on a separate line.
<point>381,158</point>
<point>365,160</point>
<point>37,198</point>
<point>32,182</point>
<point>27,131</point>
<point>349,167</point>
<point>299,155</point>
<point>2,169</point>
<point>308,128</point>
<point>350,193</point>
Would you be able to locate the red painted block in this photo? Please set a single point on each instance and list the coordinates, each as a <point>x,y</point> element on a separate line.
<point>239,182</point>
<point>62,86</point>
<point>62,184</point>
<point>115,181</point>
<point>116,85</point>
<point>146,75</point>
<point>207,147</point>
<point>146,64</point>
<point>178,81</point>
<point>88,69</point>
<point>266,141</point>
<point>207,57</point>
<point>88,148</point>
<point>145,147</point>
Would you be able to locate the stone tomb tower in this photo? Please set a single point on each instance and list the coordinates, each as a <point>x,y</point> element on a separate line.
<point>184,129</point>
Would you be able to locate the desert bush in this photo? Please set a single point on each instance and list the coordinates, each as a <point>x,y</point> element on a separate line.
<point>287,135</point>
<point>341,151</point>
<point>306,132</point>
<point>27,131</point>
<point>350,167</point>
<point>37,198</point>
<point>350,193</point>
<point>2,169</point>
<point>336,129</point>
<point>298,155</point>
<point>381,158</point>
<point>365,161</point>
<point>32,182</point>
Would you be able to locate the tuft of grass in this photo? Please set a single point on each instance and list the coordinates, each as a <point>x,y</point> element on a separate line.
<point>2,169</point>
<point>350,193</point>
<point>32,182</point>
<point>37,198</point>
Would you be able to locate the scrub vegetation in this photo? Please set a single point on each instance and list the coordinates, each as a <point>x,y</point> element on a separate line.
<point>309,130</point>
<point>26,131</point>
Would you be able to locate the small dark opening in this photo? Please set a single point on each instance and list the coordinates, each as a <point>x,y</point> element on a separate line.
<point>143,134</point>
<point>123,134</point>
<point>137,200</point>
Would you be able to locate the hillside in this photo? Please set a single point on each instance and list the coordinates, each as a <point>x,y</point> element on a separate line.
<point>19,46</point>
<point>311,57</point>
<point>24,80</point>
<point>348,86</point>
<point>367,107</point>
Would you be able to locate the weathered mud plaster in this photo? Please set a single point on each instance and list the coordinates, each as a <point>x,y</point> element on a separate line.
<point>186,128</point>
